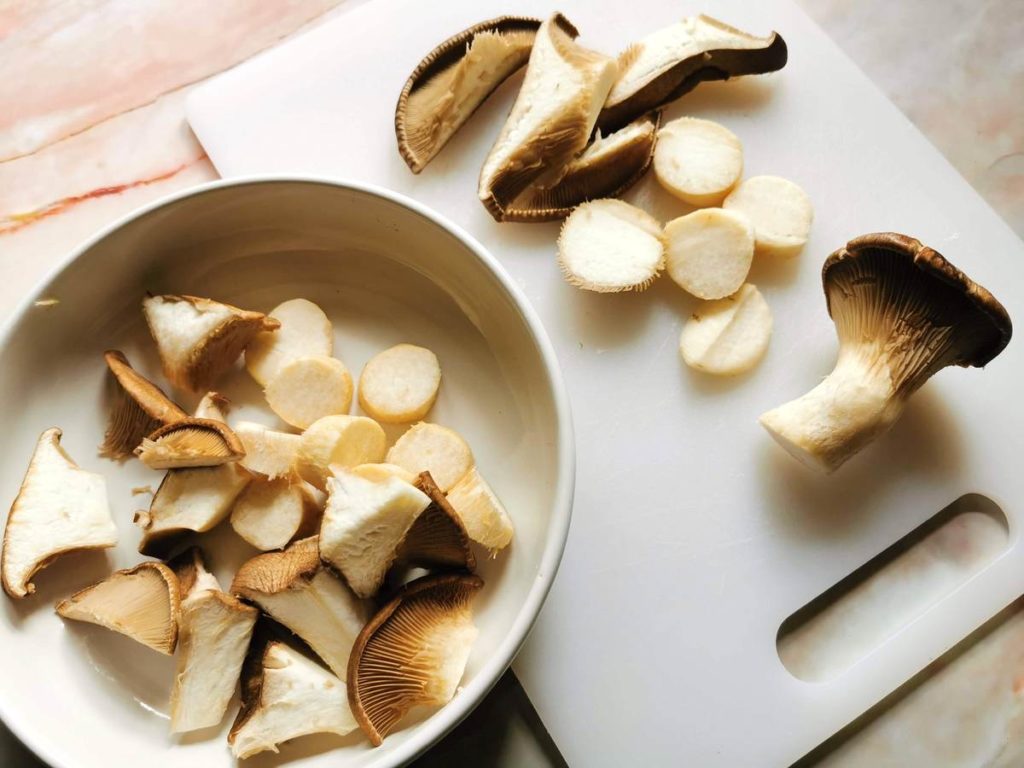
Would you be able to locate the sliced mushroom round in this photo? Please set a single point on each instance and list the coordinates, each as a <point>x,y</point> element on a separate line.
<point>190,442</point>
<point>413,652</point>
<point>305,331</point>
<point>199,339</point>
<point>340,440</point>
<point>267,451</point>
<point>672,61</point>
<point>552,118</point>
<point>269,514</point>
<point>902,312</point>
<point>286,695</point>
<point>213,637</point>
<point>454,79</point>
<point>139,408</point>
<point>60,508</point>
<point>295,588</point>
<point>142,603</point>
<point>427,447</point>
<point>608,167</point>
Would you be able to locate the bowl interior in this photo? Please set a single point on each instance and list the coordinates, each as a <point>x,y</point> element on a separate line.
<point>384,273</point>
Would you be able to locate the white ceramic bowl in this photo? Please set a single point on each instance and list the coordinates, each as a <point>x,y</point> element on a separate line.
<point>386,270</point>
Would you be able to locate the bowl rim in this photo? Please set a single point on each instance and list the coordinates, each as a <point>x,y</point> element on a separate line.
<point>431,730</point>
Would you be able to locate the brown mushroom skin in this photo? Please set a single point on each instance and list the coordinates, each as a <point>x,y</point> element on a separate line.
<point>902,313</point>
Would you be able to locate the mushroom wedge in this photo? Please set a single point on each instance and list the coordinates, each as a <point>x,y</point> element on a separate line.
<point>140,407</point>
<point>608,167</point>
<point>286,695</point>
<point>59,508</point>
<point>188,500</point>
<point>902,312</point>
<point>199,339</point>
<point>481,512</point>
<point>268,452</point>
<point>672,61</point>
<point>214,406</point>
<point>190,442</point>
<point>437,538</point>
<point>301,593</point>
<point>364,524</point>
<point>213,637</point>
<point>413,652</point>
<point>552,118</point>
<point>454,79</point>
<point>142,603</point>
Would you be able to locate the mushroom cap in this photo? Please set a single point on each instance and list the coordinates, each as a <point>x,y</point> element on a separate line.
<point>140,407</point>
<point>275,572</point>
<point>190,442</point>
<point>413,651</point>
<point>928,292</point>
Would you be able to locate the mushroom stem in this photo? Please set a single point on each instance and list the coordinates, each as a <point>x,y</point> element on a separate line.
<point>851,407</point>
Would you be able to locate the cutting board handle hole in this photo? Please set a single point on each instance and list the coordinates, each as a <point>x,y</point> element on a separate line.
<point>860,613</point>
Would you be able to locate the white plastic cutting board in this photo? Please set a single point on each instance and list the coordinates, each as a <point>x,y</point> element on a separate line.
<point>693,535</point>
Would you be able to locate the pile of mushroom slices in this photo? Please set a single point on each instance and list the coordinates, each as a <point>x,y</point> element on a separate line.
<point>585,127</point>
<point>324,629</point>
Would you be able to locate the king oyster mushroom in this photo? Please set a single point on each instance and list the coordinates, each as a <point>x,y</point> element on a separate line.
<point>552,118</point>
<point>214,406</point>
<point>270,513</point>
<point>608,167</point>
<point>672,61</point>
<point>140,407</point>
<point>364,524</point>
<point>60,508</point>
<point>286,695</point>
<point>412,652</point>
<point>454,79</point>
<point>902,312</point>
<point>213,637</point>
<point>199,339</point>
<point>142,603</point>
<point>301,593</point>
<point>190,442</point>
<point>437,538</point>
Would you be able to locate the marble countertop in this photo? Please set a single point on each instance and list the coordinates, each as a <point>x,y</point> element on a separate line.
<point>97,128</point>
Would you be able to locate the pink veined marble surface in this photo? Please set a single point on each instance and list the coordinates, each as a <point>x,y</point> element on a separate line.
<point>92,126</point>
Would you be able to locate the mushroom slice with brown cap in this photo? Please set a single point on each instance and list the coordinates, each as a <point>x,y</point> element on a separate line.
<point>59,508</point>
<point>286,695</point>
<point>188,500</point>
<point>139,408</point>
<point>142,603</point>
<point>552,118</point>
<point>213,637</point>
<point>364,524</point>
<point>608,167</point>
<point>676,59</point>
<point>437,538</point>
<point>902,312</point>
<point>295,588</point>
<point>190,442</point>
<point>199,339</point>
<point>454,79</point>
<point>413,652</point>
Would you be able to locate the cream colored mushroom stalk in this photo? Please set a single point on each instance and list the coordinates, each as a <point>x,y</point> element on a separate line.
<point>213,636</point>
<point>552,118</point>
<point>902,312</point>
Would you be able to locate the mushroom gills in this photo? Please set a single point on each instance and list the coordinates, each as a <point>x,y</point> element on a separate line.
<point>60,508</point>
<point>902,312</point>
<point>437,538</point>
<point>286,695</point>
<point>552,118</point>
<point>413,652</point>
<point>188,500</point>
<point>676,59</point>
<point>454,79</point>
<point>190,442</point>
<point>213,637</point>
<point>608,167</point>
<point>140,407</point>
<point>298,591</point>
<point>199,339</point>
<point>142,603</point>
